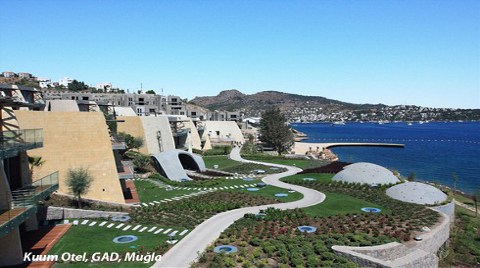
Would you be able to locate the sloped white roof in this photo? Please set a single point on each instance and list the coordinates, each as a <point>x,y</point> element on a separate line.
<point>368,173</point>
<point>124,111</point>
<point>417,192</point>
<point>61,106</point>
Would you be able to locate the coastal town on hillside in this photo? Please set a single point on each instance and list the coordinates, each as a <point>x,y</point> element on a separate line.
<point>224,107</point>
<point>158,181</point>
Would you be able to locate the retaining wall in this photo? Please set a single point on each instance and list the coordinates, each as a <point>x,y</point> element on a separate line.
<point>412,254</point>
<point>58,213</point>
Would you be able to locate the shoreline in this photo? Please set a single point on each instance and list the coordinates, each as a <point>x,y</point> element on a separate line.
<point>322,150</point>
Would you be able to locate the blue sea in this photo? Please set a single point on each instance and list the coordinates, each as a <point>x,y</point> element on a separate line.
<point>433,151</point>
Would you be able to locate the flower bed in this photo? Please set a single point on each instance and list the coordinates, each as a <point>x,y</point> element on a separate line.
<point>404,218</point>
<point>191,212</point>
<point>274,240</point>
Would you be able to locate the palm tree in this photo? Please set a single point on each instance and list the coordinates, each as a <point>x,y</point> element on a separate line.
<point>79,181</point>
<point>34,162</point>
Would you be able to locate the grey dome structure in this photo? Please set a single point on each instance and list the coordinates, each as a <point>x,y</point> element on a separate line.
<point>417,192</point>
<point>368,173</point>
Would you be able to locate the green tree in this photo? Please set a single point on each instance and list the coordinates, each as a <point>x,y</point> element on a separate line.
<point>79,181</point>
<point>131,141</point>
<point>150,92</point>
<point>141,162</point>
<point>476,198</point>
<point>274,131</point>
<point>77,86</point>
<point>35,162</point>
<point>412,176</point>
<point>455,181</point>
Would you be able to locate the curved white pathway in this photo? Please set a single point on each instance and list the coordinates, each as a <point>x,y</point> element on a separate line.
<point>187,250</point>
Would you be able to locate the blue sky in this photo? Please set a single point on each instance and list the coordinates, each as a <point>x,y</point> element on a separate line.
<point>393,52</point>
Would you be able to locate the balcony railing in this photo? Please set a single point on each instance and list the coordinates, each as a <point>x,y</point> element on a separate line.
<point>180,132</point>
<point>45,186</point>
<point>125,171</point>
<point>14,141</point>
<point>19,205</point>
<point>118,143</point>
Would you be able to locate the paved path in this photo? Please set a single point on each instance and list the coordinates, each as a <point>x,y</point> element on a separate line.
<point>187,250</point>
<point>472,209</point>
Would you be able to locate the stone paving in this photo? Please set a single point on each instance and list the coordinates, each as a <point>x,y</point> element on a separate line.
<point>125,227</point>
<point>201,190</point>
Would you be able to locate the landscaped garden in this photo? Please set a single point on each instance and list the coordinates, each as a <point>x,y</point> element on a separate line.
<point>275,241</point>
<point>464,249</point>
<point>301,163</point>
<point>91,239</point>
<point>148,192</point>
<point>232,166</point>
<point>270,191</point>
<point>402,220</point>
<point>218,182</point>
<point>193,211</point>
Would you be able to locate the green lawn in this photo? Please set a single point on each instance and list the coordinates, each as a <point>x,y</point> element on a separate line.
<point>148,192</point>
<point>336,204</point>
<point>270,191</point>
<point>91,239</point>
<point>301,163</point>
<point>228,165</point>
<point>221,160</point>
<point>464,240</point>
<point>463,199</point>
<point>296,179</point>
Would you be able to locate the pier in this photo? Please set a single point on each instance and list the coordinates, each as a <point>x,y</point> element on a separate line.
<point>304,147</point>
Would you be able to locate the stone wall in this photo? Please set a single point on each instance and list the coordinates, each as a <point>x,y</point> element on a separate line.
<point>133,126</point>
<point>74,140</point>
<point>59,213</point>
<point>412,254</point>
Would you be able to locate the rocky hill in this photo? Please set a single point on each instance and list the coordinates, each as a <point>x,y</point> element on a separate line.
<point>254,104</point>
<point>314,108</point>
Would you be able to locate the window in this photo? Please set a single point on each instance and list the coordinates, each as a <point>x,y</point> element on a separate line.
<point>84,98</point>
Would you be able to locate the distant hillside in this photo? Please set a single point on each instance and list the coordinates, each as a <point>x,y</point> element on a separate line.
<point>256,103</point>
<point>300,108</point>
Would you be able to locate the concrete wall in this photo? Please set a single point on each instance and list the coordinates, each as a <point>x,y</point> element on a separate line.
<point>73,140</point>
<point>169,164</point>
<point>193,136</point>
<point>152,125</point>
<point>11,249</point>
<point>412,254</point>
<point>228,131</point>
<point>59,213</point>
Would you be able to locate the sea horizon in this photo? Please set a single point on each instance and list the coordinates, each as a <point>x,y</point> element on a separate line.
<point>434,151</point>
